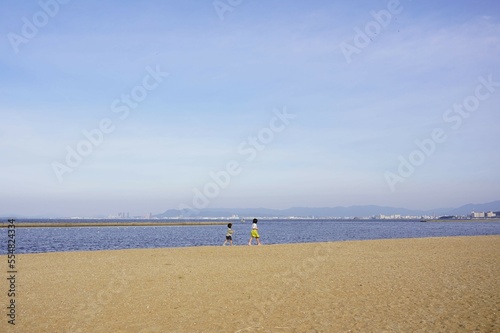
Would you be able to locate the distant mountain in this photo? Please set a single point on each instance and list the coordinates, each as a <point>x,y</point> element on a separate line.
<point>493,206</point>
<point>318,212</point>
<point>367,210</point>
<point>351,211</point>
<point>221,212</point>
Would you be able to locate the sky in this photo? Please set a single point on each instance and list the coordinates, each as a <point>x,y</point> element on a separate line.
<point>143,106</point>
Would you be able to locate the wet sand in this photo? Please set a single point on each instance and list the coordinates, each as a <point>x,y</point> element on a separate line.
<point>447,284</point>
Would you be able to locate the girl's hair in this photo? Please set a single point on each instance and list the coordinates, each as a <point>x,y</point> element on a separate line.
<point>255,220</point>
<point>229,225</point>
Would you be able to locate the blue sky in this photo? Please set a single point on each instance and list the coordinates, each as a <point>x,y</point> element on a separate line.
<point>67,66</point>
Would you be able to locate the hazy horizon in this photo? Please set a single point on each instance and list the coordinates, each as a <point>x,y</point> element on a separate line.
<point>143,107</point>
<point>434,210</point>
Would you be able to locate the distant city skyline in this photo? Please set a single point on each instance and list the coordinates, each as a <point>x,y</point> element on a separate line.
<point>134,107</point>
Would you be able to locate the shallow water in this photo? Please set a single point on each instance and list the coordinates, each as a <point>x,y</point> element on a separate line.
<point>37,240</point>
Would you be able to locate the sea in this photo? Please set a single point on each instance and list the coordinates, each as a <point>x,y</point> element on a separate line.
<point>275,231</point>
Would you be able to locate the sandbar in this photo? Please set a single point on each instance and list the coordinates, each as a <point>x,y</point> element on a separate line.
<point>109,224</point>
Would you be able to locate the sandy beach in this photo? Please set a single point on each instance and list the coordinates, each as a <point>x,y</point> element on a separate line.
<point>406,285</point>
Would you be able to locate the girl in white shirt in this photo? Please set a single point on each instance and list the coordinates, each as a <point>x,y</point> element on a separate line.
<point>254,233</point>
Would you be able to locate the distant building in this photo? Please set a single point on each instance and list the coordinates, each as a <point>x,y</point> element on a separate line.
<point>491,214</point>
<point>388,217</point>
<point>476,214</point>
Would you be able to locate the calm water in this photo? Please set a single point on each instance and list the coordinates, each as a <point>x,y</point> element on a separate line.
<point>36,240</point>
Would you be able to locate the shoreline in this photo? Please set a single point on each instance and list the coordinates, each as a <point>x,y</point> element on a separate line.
<point>474,220</point>
<point>245,245</point>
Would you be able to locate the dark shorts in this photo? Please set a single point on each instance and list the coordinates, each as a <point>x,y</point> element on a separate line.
<point>229,238</point>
